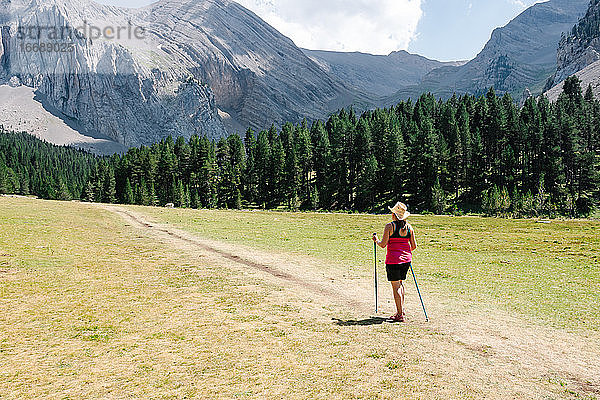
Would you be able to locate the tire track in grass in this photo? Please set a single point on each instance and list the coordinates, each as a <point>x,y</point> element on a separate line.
<point>316,288</point>
<point>547,354</point>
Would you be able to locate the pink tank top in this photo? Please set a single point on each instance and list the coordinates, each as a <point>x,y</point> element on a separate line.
<point>398,248</point>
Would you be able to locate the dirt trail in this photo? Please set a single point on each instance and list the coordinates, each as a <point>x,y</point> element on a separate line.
<point>279,268</point>
<point>509,343</point>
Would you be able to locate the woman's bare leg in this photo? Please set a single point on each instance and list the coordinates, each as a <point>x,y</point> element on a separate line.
<point>398,289</point>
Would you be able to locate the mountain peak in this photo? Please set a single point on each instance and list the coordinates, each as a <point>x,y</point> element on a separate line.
<point>376,75</point>
<point>196,61</point>
<point>519,55</point>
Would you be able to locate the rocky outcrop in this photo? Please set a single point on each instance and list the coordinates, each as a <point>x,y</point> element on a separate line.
<point>526,96</point>
<point>574,56</point>
<point>258,76</point>
<point>104,87</point>
<point>580,47</point>
<point>197,60</point>
<point>377,74</point>
<point>589,76</point>
<point>520,55</point>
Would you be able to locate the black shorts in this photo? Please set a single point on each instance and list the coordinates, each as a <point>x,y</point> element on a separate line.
<point>397,272</point>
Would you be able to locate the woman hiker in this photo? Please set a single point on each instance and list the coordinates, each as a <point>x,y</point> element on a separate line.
<point>399,238</point>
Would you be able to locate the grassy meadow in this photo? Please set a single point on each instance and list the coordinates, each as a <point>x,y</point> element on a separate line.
<point>92,307</point>
<point>547,272</point>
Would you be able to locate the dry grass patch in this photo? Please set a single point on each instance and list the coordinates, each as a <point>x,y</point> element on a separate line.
<point>549,273</point>
<point>94,308</point>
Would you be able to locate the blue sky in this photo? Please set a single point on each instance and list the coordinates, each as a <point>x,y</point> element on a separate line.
<point>439,29</point>
<point>458,29</point>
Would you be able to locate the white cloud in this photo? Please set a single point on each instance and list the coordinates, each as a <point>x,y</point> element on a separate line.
<point>518,3</point>
<point>371,26</point>
<point>525,3</point>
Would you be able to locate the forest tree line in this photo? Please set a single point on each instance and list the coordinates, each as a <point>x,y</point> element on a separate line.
<point>29,166</point>
<point>466,154</point>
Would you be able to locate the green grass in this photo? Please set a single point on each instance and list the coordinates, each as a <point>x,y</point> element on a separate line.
<point>549,273</point>
<point>91,307</point>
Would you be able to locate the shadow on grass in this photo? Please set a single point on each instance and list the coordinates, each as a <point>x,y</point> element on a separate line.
<point>362,322</point>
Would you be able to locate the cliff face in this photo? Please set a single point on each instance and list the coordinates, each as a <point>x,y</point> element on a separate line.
<point>194,61</point>
<point>520,55</point>
<point>258,75</point>
<point>580,47</point>
<point>104,87</point>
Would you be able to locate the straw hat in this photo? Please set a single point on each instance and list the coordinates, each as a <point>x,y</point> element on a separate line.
<point>400,210</point>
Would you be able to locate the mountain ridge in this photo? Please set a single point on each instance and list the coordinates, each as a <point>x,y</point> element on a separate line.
<point>378,75</point>
<point>246,62</point>
<point>579,53</point>
<point>519,55</point>
<point>199,62</point>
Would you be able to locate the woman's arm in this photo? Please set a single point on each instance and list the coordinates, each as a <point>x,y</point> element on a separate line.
<point>386,236</point>
<point>413,239</point>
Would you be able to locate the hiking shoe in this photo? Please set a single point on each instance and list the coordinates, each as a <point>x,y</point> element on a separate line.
<point>396,318</point>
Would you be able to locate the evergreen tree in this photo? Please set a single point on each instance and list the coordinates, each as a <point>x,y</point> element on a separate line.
<point>129,197</point>
<point>179,194</point>
<point>341,132</point>
<point>90,196</point>
<point>152,198</point>
<point>249,176</point>
<point>438,198</point>
<point>466,145</point>
<point>262,161</point>
<point>207,180</point>
<point>167,171</point>
<point>291,173</point>
<point>589,94</point>
<point>574,95</point>
<point>366,164</point>
<point>186,197</point>
<point>237,165</point>
<point>62,191</point>
<point>393,168</point>
<point>305,166</point>
<point>141,196</point>
<point>194,201</point>
<point>365,199</point>
<point>322,161</point>
<point>109,192</point>
<point>424,166</point>
<point>452,135</point>
<point>275,174</point>
<point>226,186</point>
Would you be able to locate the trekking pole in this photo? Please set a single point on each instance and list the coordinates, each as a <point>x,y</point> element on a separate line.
<point>375,275</point>
<point>418,291</point>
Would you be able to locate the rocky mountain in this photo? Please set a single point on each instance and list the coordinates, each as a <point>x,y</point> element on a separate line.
<point>520,55</point>
<point>579,52</point>
<point>258,76</point>
<point>184,67</point>
<point>377,75</point>
<point>107,88</point>
<point>589,76</point>
<point>22,110</point>
<point>178,67</point>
